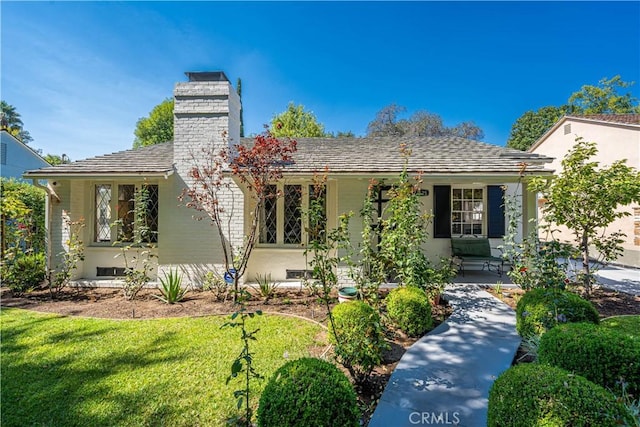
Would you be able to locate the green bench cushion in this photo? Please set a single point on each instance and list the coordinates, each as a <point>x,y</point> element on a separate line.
<point>471,248</point>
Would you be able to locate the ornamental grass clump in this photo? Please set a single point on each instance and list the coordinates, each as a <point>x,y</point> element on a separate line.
<point>409,309</point>
<point>533,394</point>
<point>541,309</point>
<point>308,392</point>
<point>603,355</point>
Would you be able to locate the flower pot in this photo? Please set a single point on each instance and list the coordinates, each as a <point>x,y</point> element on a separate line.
<point>348,293</point>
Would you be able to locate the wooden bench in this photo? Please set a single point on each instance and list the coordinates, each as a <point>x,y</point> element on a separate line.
<point>475,250</point>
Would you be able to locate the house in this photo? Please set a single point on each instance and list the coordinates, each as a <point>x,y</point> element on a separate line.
<point>617,137</point>
<point>463,182</point>
<point>16,157</point>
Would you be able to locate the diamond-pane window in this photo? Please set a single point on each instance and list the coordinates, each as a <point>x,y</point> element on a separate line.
<point>151,213</point>
<point>269,217</point>
<point>126,213</point>
<point>292,214</point>
<point>103,213</point>
<point>317,224</point>
<point>467,211</point>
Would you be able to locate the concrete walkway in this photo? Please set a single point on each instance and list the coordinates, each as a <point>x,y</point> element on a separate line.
<point>445,377</point>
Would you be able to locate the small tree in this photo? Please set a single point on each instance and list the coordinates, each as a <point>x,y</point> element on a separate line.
<point>256,167</point>
<point>584,197</point>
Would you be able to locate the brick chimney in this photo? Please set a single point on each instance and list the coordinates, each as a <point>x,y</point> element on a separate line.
<point>205,108</point>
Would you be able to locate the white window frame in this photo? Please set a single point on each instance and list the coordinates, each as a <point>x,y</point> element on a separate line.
<point>483,212</point>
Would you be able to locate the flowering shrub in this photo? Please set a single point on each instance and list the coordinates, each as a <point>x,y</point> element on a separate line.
<point>534,263</point>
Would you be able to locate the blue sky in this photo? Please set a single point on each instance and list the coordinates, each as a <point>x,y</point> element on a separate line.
<point>82,73</point>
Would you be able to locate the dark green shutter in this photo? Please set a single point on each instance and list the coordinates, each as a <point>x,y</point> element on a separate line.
<point>495,211</point>
<point>442,211</point>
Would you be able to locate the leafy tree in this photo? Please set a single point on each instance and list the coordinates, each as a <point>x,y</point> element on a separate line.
<point>421,123</point>
<point>386,122</point>
<point>11,121</point>
<point>584,197</point>
<point>529,127</point>
<point>295,122</point>
<point>22,211</point>
<point>157,127</point>
<point>601,99</point>
<point>54,159</point>
<point>604,98</point>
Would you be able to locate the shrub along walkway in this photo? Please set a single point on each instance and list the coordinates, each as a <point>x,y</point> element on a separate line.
<point>445,377</point>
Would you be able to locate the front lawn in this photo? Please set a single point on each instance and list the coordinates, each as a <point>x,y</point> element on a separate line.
<point>64,371</point>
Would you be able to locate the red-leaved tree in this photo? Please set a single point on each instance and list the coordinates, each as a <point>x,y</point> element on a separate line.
<point>211,193</point>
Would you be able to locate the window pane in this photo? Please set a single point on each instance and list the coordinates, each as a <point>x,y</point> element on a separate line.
<point>151,213</point>
<point>126,194</point>
<point>317,223</point>
<point>292,214</point>
<point>467,212</point>
<point>103,213</point>
<point>268,217</point>
<point>457,193</point>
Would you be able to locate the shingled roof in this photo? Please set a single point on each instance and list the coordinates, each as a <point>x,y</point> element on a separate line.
<point>151,160</point>
<point>450,155</point>
<point>446,155</point>
<point>625,119</point>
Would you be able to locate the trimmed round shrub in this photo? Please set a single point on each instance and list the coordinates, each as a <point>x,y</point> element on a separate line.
<point>629,325</point>
<point>360,342</point>
<point>541,309</point>
<point>308,392</point>
<point>409,309</point>
<point>532,394</point>
<point>600,354</point>
<point>25,273</point>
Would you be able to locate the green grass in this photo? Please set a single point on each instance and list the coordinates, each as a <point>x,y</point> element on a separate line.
<point>629,325</point>
<point>62,371</point>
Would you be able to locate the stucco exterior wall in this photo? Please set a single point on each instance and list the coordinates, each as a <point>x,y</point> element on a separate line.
<point>346,194</point>
<point>614,142</point>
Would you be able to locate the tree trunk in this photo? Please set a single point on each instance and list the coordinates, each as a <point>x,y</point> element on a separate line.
<point>586,271</point>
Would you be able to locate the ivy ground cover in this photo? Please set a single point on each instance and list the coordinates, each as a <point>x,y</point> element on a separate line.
<point>67,371</point>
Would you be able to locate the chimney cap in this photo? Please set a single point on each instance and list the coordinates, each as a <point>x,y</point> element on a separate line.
<point>206,76</point>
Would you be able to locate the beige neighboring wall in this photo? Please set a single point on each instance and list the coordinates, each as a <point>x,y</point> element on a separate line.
<point>615,141</point>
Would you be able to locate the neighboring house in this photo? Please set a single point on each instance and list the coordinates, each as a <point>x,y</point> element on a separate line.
<point>463,181</point>
<point>16,158</point>
<point>617,137</point>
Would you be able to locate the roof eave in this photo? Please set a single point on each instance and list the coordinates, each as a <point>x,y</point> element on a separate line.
<point>97,175</point>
